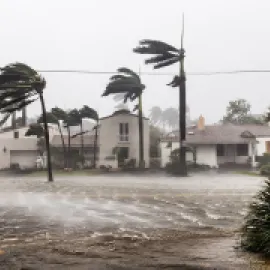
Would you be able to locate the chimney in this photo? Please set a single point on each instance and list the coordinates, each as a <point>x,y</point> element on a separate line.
<point>201,123</point>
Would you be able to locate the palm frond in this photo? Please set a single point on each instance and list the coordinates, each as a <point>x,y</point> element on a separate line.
<point>166,63</point>
<point>18,106</point>
<point>160,58</point>
<point>136,108</point>
<point>149,46</point>
<point>129,72</point>
<point>4,119</point>
<point>175,82</point>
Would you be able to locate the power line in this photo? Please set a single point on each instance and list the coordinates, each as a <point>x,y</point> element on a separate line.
<point>211,73</point>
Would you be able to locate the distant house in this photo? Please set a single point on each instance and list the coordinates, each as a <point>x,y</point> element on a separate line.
<point>75,145</point>
<point>119,139</point>
<point>217,145</point>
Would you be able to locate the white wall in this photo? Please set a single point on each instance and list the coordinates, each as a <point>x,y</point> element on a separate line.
<point>109,137</point>
<point>10,144</point>
<point>261,149</point>
<point>206,154</point>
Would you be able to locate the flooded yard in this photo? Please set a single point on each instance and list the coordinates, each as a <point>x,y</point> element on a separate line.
<point>124,222</point>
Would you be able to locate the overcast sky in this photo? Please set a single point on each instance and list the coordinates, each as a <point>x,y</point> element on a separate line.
<point>99,35</point>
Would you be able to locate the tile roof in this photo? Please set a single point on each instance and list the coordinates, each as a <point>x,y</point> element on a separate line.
<point>220,134</point>
<point>122,112</point>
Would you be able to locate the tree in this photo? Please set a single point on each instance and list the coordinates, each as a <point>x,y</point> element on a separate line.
<point>54,116</point>
<point>255,235</point>
<point>170,117</point>
<point>238,112</point>
<point>57,115</point>
<point>20,85</point>
<point>35,130</point>
<point>38,131</point>
<point>72,119</point>
<point>156,115</point>
<point>166,55</point>
<point>90,113</point>
<point>129,83</point>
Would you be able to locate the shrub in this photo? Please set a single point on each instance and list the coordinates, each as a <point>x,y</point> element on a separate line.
<point>15,167</point>
<point>155,163</point>
<point>173,167</point>
<point>264,160</point>
<point>265,170</point>
<point>255,235</point>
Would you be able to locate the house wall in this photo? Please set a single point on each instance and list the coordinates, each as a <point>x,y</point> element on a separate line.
<point>261,147</point>
<point>109,138</point>
<point>231,155</point>
<point>206,154</point>
<point>19,145</point>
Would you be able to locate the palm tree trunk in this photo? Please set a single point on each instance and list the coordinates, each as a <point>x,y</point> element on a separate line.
<point>63,144</point>
<point>24,117</point>
<point>69,148</point>
<point>141,139</point>
<point>47,138</point>
<point>13,120</point>
<point>182,120</point>
<point>82,144</point>
<point>95,146</point>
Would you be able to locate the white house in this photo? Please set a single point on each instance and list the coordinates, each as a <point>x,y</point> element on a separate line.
<point>119,139</point>
<point>218,145</point>
<point>15,148</point>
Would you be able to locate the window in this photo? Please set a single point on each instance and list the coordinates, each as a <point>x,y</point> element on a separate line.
<point>242,150</point>
<point>16,134</point>
<point>123,132</point>
<point>220,150</point>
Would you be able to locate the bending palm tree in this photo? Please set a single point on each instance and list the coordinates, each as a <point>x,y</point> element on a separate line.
<point>21,85</point>
<point>90,113</point>
<point>129,83</point>
<point>166,55</point>
<point>53,117</point>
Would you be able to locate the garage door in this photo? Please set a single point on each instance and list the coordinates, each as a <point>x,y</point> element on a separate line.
<point>26,159</point>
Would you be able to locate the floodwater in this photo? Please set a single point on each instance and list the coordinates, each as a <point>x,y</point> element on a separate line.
<point>124,222</point>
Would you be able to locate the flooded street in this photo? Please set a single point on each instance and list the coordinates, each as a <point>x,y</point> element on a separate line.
<point>124,222</point>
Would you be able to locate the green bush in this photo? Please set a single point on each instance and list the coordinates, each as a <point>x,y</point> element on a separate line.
<point>264,160</point>
<point>265,170</point>
<point>255,236</point>
<point>173,167</point>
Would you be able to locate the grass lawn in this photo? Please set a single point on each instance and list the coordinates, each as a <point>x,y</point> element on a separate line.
<point>250,173</point>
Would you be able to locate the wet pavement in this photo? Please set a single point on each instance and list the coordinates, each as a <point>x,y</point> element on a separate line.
<point>124,222</point>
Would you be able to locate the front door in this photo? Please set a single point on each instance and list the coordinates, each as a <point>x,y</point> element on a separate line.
<point>122,155</point>
<point>230,153</point>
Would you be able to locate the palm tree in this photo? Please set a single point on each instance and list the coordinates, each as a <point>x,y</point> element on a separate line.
<point>58,115</point>
<point>72,119</point>
<point>129,83</point>
<point>166,55</point>
<point>90,113</point>
<point>54,117</point>
<point>20,85</point>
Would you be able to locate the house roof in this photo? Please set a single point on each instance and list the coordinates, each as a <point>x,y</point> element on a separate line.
<point>122,112</point>
<point>221,134</point>
<point>75,142</point>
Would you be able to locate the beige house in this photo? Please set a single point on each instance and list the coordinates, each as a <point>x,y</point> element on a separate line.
<point>119,139</point>
<point>218,145</point>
